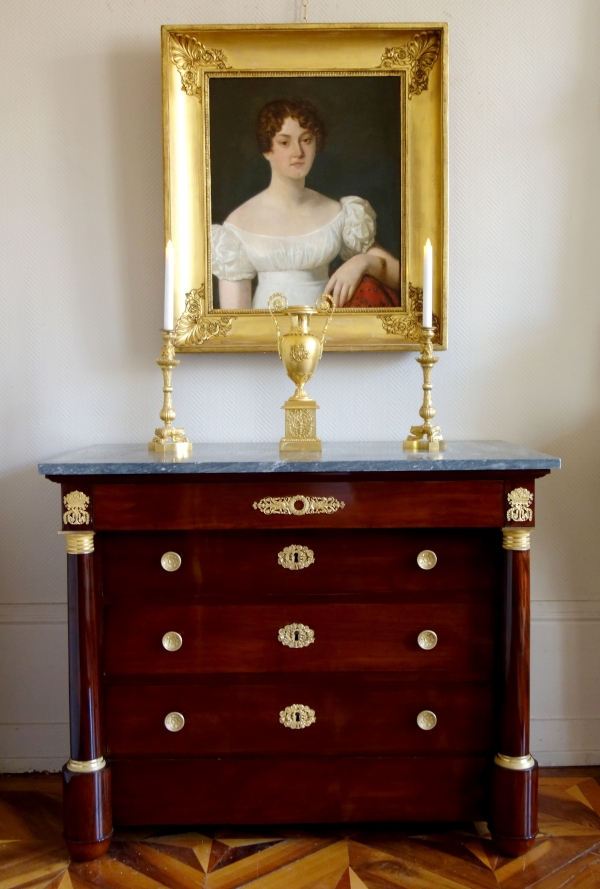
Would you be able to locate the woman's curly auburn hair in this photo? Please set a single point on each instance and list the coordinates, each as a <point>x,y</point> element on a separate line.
<point>272,115</point>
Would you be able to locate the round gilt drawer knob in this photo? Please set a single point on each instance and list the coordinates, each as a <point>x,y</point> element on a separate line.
<point>172,641</point>
<point>174,721</point>
<point>427,640</point>
<point>171,561</point>
<point>426,720</point>
<point>427,559</point>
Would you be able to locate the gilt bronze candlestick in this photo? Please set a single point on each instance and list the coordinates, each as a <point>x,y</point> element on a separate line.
<point>167,439</point>
<point>426,437</point>
<point>300,351</point>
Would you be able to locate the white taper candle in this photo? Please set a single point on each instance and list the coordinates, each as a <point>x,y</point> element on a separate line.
<point>428,285</point>
<point>169,287</point>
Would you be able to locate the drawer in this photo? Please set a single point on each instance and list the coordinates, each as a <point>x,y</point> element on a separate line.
<point>279,503</point>
<point>245,639</point>
<point>235,565</point>
<point>295,790</point>
<point>351,718</point>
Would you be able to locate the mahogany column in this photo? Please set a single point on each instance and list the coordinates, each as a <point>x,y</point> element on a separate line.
<point>513,821</point>
<point>86,777</point>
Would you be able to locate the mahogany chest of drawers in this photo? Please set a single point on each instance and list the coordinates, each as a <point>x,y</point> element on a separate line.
<point>340,640</point>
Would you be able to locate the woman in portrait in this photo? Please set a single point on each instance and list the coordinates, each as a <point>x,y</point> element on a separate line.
<point>288,234</point>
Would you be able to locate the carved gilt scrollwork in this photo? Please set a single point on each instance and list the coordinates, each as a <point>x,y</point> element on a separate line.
<point>298,505</point>
<point>419,55</point>
<point>299,352</point>
<point>520,500</point>
<point>76,503</point>
<point>189,57</point>
<point>301,423</point>
<point>408,324</point>
<point>193,327</point>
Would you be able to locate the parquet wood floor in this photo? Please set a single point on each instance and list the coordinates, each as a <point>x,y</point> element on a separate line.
<point>392,856</point>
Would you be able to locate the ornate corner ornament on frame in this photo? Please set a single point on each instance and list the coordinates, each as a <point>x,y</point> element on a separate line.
<point>216,78</point>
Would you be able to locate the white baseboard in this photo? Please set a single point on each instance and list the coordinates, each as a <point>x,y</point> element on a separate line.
<point>567,758</point>
<point>34,741</point>
<point>45,747</point>
<point>562,738</point>
<point>16,765</point>
<point>566,742</point>
<point>34,613</point>
<point>579,609</point>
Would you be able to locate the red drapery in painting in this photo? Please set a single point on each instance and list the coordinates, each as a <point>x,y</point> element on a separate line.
<point>372,294</point>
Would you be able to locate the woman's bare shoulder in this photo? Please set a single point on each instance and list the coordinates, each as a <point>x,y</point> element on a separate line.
<point>243,215</point>
<point>262,214</point>
<point>322,202</point>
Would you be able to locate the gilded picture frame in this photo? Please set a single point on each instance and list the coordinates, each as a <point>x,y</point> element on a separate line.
<point>384,91</point>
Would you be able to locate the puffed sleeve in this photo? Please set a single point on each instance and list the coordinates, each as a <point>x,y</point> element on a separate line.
<point>229,258</point>
<point>358,232</point>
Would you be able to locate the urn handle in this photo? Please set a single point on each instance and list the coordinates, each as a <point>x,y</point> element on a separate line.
<point>325,303</point>
<point>277,303</point>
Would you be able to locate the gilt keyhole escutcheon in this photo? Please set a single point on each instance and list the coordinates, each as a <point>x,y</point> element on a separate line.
<point>297,716</point>
<point>296,636</point>
<point>296,557</point>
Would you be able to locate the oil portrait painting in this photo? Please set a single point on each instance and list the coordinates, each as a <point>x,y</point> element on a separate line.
<point>314,204</point>
<point>293,167</point>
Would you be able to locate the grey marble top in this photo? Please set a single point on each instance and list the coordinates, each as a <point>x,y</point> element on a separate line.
<point>135,459</point>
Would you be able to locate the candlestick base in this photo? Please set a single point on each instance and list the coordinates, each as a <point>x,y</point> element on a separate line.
<point>176,448</point>
<point>415,441</point>
<point>426,437</point>
<point>167,439</point>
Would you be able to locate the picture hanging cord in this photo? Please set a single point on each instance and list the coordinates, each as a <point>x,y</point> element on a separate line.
<point>304,11</point>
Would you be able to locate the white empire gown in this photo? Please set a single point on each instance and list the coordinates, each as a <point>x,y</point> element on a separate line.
<point>297,266</point>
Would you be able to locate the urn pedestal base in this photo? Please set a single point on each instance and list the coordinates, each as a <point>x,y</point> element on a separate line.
<point>300,426</point>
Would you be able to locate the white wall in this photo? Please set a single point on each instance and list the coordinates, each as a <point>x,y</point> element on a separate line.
<point>81,267</point>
